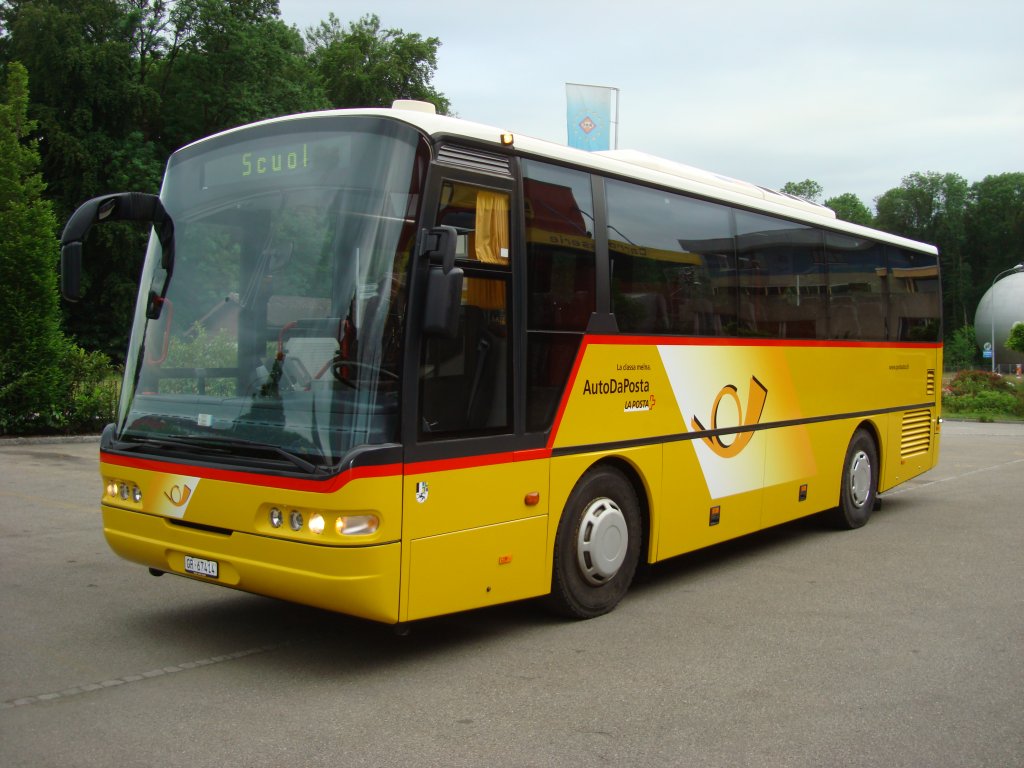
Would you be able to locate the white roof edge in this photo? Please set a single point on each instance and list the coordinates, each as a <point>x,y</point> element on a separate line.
<point>683,171</point>
<point>641,166</point>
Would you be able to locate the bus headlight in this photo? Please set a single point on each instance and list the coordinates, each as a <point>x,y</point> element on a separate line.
<point>295,520</point>
<point>276,518</point>
<point>316,523</point>
<point>125,490</point>
<point>355,525</point>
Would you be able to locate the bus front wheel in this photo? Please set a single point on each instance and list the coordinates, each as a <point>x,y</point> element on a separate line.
<point>859,484</point>
<point>597,546</point>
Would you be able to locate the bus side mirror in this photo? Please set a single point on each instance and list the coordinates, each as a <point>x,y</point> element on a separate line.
<point>444,282</point>
<point>126,206</point>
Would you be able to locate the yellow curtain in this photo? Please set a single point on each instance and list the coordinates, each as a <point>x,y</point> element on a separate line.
<point>491,227</point>
<point>490,246</point>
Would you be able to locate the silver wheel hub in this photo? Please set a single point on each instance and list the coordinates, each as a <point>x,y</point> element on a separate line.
<point>602,541</point>
<point>860,478</point>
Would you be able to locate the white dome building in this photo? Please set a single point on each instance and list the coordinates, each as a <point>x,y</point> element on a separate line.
<point>1001,307</point>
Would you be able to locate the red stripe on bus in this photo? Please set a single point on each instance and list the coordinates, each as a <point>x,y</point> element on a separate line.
<point>712,341</point>
<point>533,454</point>
<point>249,478</point>
<point>460,462</point>
<point>327,485</point>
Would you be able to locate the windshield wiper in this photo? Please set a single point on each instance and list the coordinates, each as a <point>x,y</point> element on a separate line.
<point>220,445</point>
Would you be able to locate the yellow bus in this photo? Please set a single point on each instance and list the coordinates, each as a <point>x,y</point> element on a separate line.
<point>398,365</point>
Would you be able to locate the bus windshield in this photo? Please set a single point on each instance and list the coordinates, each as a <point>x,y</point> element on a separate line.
<point>280,340</point>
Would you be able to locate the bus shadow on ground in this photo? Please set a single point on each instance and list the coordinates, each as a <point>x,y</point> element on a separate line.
<point>702,563</point>
<point>238,623</point>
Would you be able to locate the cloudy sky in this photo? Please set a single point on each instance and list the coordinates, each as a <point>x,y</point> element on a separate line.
<point>854,95</point>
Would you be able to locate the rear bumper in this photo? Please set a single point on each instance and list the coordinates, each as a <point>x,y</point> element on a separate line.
<point>359,581</point>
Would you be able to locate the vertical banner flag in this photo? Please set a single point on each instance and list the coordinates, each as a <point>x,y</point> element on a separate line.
<point>589,116</point>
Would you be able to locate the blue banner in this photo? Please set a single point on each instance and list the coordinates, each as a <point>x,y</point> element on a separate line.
<point>589,116</point>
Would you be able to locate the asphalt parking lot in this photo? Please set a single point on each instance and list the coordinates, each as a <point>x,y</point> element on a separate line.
<point>900,644</point>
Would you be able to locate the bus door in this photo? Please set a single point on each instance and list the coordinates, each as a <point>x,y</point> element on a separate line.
<point>475,520</point>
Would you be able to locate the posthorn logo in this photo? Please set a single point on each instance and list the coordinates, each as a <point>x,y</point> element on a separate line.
<point>756,398</point>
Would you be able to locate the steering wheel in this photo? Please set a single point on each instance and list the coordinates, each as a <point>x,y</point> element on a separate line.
<point>338,367</point>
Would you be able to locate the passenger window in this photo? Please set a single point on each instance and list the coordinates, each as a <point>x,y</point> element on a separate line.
<point>673,262</point>
<point>915,299</point>
<point>856,285</point>
<point>783,290</point>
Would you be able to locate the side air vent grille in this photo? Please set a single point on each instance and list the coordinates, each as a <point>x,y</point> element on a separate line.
<point>929,384</point>
<point>917,434</point>
<point>475,159</point>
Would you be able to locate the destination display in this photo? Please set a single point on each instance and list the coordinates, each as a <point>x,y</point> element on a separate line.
<point>288,158</point>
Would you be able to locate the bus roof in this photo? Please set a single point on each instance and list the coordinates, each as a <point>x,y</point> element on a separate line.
<point>627,163</point>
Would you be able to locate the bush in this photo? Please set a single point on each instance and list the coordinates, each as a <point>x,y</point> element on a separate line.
<point>983,395</point>
<point>973,382</point>
<point>993,403</point>
<point>93,390</point>
<point>81,399</point>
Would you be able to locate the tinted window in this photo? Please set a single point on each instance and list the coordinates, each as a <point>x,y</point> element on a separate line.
<point>915,299</point>
<point>783,291</point>
<point>857,288</point>
<point>672,262</point>
<point>560,280</point>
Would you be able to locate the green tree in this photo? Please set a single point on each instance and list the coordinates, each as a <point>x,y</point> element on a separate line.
<point>230,63</point>
<point>367,66</point>
<point>87,92</point>
<point>117,85</point>
<point>931,207</point>
<point>961,353</point>
<point>31,384</point>
<point>1015,341</point>
<point>95,107</point>
<point>994,228</point>
<point>806,189</point>
<point>849,207</point>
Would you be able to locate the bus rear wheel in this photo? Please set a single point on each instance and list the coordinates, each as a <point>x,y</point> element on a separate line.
<point>859,487</point>
<point>597,546</point>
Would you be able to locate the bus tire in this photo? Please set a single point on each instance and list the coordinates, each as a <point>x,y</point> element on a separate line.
<point>859,487</point>
<point>597,546</point>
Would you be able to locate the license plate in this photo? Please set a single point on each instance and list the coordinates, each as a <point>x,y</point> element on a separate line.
<point>201,567</point>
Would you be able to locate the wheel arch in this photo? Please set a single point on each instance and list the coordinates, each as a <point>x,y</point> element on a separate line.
<point>858,494</point>
<point>635,477</point>
<point>874,431</point>
<point>587,483</point>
